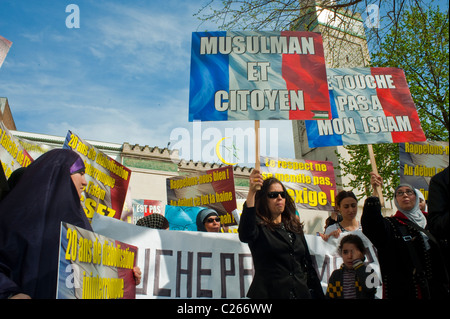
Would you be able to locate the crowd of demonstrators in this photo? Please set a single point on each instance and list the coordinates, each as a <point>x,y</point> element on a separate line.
<point>47,193</point>
<point>412,245</point>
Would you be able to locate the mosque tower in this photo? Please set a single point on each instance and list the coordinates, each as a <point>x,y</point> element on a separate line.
<point>345,46</point>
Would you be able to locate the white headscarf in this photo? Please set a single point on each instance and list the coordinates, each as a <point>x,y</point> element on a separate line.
<point>415,214</point>
<point>418,192</point>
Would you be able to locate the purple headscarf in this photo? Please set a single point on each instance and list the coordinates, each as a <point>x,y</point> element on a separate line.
<point>77,167</point>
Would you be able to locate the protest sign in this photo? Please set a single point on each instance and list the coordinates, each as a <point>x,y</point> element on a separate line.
<point>34,148</point>
<point>212,188</point>
<point>257,76</point>
<point>144,207</point>
<point>421,161</point>
<point>186,264</point>
<point>92,266</point>
<point>369,106</point>
<point>12,154</point>
<point>107,179</point>
<point>5,45</point>
<point>311,184</point>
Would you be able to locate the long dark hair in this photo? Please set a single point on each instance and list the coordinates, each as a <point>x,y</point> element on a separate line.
<point>288,216</point>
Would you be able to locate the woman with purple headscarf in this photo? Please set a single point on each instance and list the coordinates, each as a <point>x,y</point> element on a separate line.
<point>47,194</point>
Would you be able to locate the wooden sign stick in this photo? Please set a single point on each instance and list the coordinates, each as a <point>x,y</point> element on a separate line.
<point>257,159</point>
<point>378,189</point>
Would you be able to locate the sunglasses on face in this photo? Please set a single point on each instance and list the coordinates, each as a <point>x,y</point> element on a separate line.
<point>275,194</point>
<point>211,220</point>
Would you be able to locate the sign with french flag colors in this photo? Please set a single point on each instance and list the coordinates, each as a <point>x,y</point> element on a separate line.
<point>369,106</point>
<point>258,76</point>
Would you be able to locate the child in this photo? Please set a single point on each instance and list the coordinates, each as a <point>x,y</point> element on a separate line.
<point>350,281</point>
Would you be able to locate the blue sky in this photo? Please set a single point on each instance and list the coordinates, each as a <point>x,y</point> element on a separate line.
<point>123,76</point>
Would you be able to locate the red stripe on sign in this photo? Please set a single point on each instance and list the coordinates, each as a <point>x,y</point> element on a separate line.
<point>398,103</point>
<point>306,72</point>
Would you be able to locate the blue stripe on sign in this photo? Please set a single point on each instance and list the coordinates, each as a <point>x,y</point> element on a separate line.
<point>209,74</point>
<point>312,130</point>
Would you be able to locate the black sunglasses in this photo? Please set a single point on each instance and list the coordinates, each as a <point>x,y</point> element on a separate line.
<point>275,194</point>
<point>211,220</point>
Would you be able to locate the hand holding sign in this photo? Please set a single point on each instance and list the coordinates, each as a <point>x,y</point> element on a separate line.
<point>256,181</point>
<point>377,182</point>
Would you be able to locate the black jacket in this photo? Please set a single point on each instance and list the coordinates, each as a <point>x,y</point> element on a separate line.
<point>408,269</point>
<point>335,289</point>
<point>439,211</point>
<point>283,269</point>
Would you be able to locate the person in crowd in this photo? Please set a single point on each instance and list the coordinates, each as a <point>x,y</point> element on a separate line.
<point>208,220</point>
<point>351,280</point>
<point>409,256</point>
<point>282,263</point>
<point>422,202</point>
<point>439,210</point>
<point>47,194</point>
<point>30,219</point>
<point>155,220</point>
<point>347,207</point>
<point>333,219</point>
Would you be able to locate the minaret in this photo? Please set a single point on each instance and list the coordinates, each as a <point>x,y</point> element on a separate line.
<point>345,46</point>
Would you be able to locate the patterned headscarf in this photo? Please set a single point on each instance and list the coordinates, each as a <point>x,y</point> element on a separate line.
<point>154,220</point>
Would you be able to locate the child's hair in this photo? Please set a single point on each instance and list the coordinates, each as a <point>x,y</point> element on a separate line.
<point>353,239</point>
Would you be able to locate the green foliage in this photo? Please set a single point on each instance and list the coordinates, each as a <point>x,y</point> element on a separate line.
<point>358,167</point>
<point>419,46</point>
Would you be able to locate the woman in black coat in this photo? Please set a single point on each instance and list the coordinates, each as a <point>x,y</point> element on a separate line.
<point>283,266</point>
<point>410,258</point>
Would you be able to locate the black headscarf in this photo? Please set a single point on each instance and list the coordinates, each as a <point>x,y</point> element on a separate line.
<point>30,219</point>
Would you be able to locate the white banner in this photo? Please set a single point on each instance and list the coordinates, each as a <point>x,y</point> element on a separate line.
<point>184,264</point>
<point>189,264</point>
